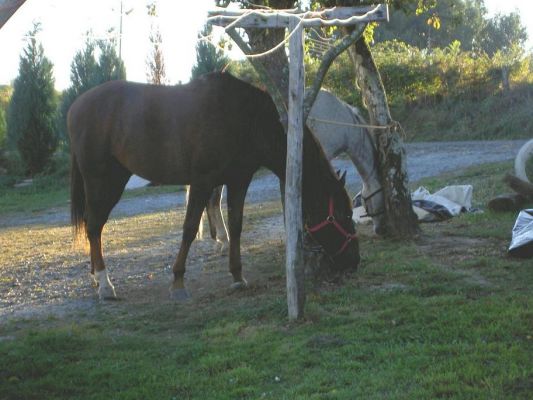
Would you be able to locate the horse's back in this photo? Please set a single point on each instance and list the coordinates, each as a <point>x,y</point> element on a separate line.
<point>163,133</point>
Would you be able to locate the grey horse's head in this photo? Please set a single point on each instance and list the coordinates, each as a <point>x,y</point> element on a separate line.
<point>373,200</point>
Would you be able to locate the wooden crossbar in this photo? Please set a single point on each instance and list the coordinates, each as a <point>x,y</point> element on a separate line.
<point>339,16</point>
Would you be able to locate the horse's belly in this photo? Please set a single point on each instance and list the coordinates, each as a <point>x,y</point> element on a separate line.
<point>155,163</point>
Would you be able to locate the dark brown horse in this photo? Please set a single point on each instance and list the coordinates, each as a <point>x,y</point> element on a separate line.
<point>215,130</point>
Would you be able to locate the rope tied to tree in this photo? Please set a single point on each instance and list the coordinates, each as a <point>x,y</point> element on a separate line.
<point>331,122</point>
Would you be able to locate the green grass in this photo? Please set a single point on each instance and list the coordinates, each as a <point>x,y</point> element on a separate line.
<point>446,316</point>
<point>54,191</point>
<point>47,192</point>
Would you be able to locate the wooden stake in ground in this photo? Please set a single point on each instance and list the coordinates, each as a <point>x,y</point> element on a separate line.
<point>293,175</point>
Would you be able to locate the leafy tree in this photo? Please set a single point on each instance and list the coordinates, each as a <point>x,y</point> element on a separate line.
<point>502,33</point>
<point>435,26</point>
<point>208,57</point>
<point>156,62</point>
<point>32,109</point>
<point>86,72</point>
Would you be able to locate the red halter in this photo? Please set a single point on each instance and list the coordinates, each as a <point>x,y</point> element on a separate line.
<point>330,220</point>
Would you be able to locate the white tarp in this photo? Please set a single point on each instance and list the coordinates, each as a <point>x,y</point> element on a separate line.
<point>446,203</point>
<point>522,239</point>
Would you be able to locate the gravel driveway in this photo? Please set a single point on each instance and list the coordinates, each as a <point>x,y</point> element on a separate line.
<point>423,159</point>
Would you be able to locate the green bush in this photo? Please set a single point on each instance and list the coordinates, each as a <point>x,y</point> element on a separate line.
<point>446,94</point>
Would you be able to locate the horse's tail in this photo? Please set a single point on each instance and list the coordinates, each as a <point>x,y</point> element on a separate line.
<point>77,198</point>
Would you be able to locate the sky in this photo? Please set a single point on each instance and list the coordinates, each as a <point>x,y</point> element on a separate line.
<point>65,24</point>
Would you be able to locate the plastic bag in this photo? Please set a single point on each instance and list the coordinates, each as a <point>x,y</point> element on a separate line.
<point>444,204</point>
<point>522,237</point>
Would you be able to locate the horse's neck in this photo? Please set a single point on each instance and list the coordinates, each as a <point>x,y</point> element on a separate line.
<point>360,148</point>
<point>318,177</point>
<point>271,143</point>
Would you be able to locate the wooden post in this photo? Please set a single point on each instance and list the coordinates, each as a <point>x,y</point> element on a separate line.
<point>293,177</point>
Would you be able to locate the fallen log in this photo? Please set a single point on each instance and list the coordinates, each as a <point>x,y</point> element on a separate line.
<point>507,202</point>
<point>520,186</point>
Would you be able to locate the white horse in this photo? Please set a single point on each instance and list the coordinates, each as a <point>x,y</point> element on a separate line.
<point>340,129</point>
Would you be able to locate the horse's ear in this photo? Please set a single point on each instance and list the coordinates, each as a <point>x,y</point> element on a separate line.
<point>342,179</point>
<point>338,172</point>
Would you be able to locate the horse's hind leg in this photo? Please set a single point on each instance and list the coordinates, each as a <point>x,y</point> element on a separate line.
<point>235,198</point>
<point>102,193</point>
<point>198,197</point>
<point>200,234</point>
<point>217,226</point>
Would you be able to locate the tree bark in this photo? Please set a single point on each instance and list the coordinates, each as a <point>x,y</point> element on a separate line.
<point>276,64</point>
<point>401,220</point>
<point>506,86</point>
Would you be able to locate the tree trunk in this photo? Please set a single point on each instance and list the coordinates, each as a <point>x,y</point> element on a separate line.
<point>506,86</point>
<point>401,220</point>
<point>276,64</point>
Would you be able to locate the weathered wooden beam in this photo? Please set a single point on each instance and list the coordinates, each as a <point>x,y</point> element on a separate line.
<point>8,8</point>
<point>339,16</point>
<point>293,176</point>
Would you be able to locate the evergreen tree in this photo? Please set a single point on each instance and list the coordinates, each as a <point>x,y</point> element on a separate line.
<point>86,72</point>
<point>32,109</point>
<point>208,57</point>
<point>110,65</point>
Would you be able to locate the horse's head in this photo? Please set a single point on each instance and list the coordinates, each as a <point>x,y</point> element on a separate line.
<point>333,227</point>
<point>374,203</point>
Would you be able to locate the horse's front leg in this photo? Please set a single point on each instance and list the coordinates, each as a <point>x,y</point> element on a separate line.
<point>195,207</point>
<point>235,198</point>
<point>216,220</point>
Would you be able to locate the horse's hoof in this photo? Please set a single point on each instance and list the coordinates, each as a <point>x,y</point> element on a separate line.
<point>107,293</point>
<point>239,285</point>
<point>179,295</point>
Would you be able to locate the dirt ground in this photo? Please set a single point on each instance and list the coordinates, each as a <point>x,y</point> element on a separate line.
<point>43,273</point>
